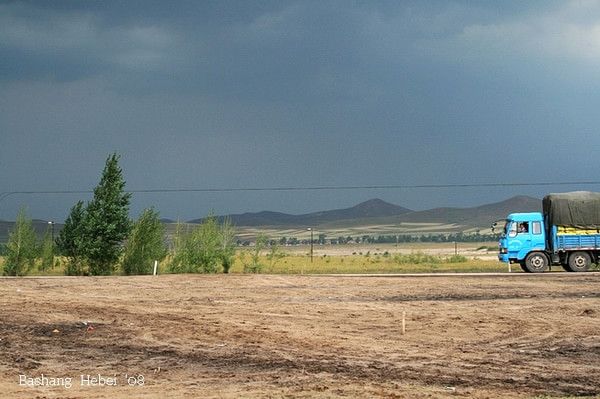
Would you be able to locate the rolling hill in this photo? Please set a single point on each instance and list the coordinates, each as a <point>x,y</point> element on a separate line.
<point>480,216</point>
<point>379,212</point>
<point>369,209</point>
<point>374,216</point>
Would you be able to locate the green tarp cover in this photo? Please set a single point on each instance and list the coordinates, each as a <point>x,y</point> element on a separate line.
<point>579,209</point>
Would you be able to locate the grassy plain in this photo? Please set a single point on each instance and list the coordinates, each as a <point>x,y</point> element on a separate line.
<point>361,258</point>
<point>379,258</point>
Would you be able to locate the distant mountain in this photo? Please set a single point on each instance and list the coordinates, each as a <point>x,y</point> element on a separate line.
<point>363,217</point>
<point>369,209</point>
<point>377,211</point>
<point>482,215</point>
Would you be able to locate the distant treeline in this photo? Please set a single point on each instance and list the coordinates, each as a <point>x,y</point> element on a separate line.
<point>322,239</point>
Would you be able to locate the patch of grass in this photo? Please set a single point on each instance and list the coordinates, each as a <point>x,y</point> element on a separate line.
<point>417,262</point>
<point>595,267</point>
<point>356,264</point>
<point>416,258</point>
<point>456,259</point>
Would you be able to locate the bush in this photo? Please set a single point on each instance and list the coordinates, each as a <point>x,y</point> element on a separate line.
<point>21,250</point>
<point>419,258</point>
<point>416,258</point>
<point>145,245</point>
<point>456,259</point>
<point>204,249</point>
<point>254,265</point>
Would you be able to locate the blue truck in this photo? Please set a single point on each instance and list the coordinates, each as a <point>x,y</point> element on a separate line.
<point>565,233</point>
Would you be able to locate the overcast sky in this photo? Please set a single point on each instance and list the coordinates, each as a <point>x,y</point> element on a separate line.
<point>250,94</point>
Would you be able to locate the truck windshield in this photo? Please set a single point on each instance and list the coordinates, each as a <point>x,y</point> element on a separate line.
<point>511,229</point>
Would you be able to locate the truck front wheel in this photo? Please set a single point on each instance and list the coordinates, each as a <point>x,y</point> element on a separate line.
<point>579,261</point>
<point>536,262</point>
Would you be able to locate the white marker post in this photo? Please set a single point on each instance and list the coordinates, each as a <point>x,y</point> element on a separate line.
<point>403,322</point>
<point>155,266</point>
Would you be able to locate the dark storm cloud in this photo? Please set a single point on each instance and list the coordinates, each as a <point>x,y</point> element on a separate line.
<point>247,94</point>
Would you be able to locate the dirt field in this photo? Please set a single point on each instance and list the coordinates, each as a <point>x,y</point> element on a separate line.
<point>301,336</point>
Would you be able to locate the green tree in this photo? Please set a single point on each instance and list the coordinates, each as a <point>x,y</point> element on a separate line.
<point>255,265</point>
<point>274,254</point>
<point>21,247</point>
<point>145,244</point>
<point>204,248</point>
<point>106,222</point>
<point>47,251</point>
<point>70,241</point>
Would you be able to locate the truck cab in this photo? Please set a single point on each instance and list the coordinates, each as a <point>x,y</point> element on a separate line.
<point>524,236</point>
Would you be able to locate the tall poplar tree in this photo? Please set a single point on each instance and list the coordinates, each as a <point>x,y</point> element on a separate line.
<point>21,249</point>
<point>47,250</point>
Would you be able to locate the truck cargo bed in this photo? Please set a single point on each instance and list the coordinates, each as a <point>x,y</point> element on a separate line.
<point>576,241</point>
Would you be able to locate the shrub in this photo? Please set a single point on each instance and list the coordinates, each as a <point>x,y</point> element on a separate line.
<point>416,258</point>
<point>456,259</point>
<point>21,249</point>
<point>145,245</point>
<point>204,249</point>
<point>255,265</point>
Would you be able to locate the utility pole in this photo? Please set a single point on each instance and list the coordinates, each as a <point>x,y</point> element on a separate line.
<point>51,223</point>
<point>311,244</point>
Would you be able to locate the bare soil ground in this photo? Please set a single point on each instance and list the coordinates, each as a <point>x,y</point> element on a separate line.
<point>231,336</point>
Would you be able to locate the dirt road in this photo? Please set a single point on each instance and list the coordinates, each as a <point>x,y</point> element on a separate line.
<point>300,336</point>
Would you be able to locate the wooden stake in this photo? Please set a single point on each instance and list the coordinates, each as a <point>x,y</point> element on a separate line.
<point>403,322</point>
<point>155,266</point>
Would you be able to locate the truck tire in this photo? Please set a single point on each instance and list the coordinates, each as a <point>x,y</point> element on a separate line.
<point>536,262</point>
<point>579,261</point>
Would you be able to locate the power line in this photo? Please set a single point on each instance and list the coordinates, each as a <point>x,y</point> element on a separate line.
<point>6,194</point>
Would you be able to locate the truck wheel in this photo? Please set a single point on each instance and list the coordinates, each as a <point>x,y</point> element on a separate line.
<point>536,262</point>
<point>579,261</point>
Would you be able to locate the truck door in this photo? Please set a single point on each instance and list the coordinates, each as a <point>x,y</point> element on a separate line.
<point>528,236</point>
<point>538,239</point>
<point>521,239</point>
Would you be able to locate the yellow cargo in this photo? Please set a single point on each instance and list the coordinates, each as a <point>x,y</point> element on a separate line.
<point>563,230</point>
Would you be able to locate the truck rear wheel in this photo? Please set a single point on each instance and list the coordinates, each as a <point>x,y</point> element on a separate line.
<point>579,261</point>
<point>536,262</point>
